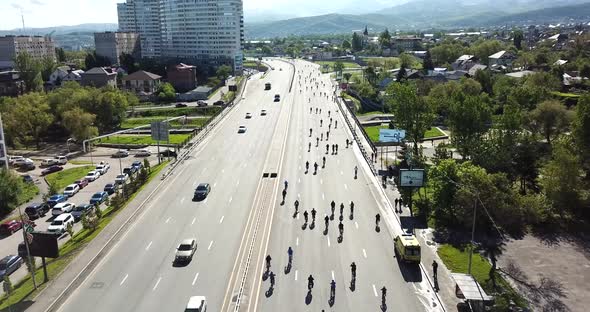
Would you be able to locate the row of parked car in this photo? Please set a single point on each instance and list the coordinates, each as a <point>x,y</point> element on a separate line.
<point>24,163</point>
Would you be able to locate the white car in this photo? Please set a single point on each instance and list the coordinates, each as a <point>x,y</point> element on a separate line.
<point>92,175</point>
<point>61,223</point>
<point>242,129</point>
<point>121,178</point>
<point>16,160</point>
<point>143,153</point>
<point>61,160</point>
<point>103,168</point>
<point>48,162</point>
<point>62,208</point>
<point>186,250</point>
<point>196,304</point>
<point>71,189</point>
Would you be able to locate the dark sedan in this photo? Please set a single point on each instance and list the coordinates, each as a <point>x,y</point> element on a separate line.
<point>111,188</point>
<point>9,264</point>
<point>52,169</point>
<point>202,191</point>
<point>98,198</point>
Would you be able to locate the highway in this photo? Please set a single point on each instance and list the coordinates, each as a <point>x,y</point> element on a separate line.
<point>242,220</point>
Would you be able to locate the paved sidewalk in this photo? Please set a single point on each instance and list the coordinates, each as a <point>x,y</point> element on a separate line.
<point>446,285</point>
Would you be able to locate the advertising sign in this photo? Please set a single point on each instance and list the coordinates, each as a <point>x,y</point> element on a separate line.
<point>159,131</point>
<point>411,178</point>
<point>392,135</point>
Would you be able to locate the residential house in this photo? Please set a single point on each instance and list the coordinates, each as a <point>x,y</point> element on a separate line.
<point>200,93</point>
<point>520,74</point>
<point>100,77</point>
<point>183,77</point>
<point>11,83</point>
<point>406,43</point>
<point>475,68</point>
<point>464,62</point>
<point>502,58</point>
<point>142,81</point>
<point>59,74</point>
<point>74,75</point>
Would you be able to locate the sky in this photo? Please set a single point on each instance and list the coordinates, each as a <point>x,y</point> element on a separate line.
<point>48,13</point>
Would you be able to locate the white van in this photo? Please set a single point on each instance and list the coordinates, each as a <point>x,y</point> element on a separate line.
<point>196,304</point>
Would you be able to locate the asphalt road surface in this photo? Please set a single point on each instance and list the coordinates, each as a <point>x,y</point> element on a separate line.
<point>242,220</point>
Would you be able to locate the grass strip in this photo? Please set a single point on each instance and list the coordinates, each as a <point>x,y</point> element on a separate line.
<point>195,122</point>
<point>141,139</point>
<point>63,178</point>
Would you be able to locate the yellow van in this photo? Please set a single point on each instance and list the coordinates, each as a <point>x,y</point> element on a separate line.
<point>407,248</point>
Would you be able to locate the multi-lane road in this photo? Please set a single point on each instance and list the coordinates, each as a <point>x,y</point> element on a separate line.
<point>243,219</point>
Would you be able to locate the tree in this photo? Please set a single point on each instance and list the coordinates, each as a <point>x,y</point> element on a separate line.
<point>525,59</point>
<point>357,42</point>
<point>543,80</point>
<point>469,119</point>
<point>223,72</point>
<point>47,67</point>
<point>446,52</point>
<point>128,62</point>
<point>581,131</point>
<point>94,60</point>
<point>266,50</point>
<point>11,186</point>
<point>7,285</point>
<point>347,76</point>
<point>411,112</point>
<point>427,63</point>
<point>485,80</point>
<point>484,48</point>
<point>29,119</point>
<point>29,70</point>
<point>371,75</point>
<point>518,36</point>
<point>61,55</point>
<point>338,67</point>
<point>90,220</point>
<point>385,38</point>
<point>401,74</point>
<point>346,45</point>
<point>166,92</point>
<point>560,178</point>
<point>70,230</point>
<point>441,178</point>
<point>79,123</point>
<point>406,60</point>
<point>550,118</point>
<point>109,106</point>
<point>470,86</point>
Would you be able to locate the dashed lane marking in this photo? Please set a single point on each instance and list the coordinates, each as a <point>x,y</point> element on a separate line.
<point>195,279</point>
<point>124,279</point>
<point>157,283</point>
<point>148,246</point>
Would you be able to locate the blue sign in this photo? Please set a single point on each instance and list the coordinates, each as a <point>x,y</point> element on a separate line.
<point>392,135</point>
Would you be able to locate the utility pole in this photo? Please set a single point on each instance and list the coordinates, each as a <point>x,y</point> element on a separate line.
<point>472,235</point>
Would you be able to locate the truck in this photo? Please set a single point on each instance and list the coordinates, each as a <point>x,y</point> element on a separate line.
<point>407,248</point>
<point>267,86</point>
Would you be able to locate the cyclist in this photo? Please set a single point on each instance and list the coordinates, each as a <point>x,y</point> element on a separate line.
<point>313,212</point>
<point>272,278</point>
<point>327,148</point>
<point>341,228</point>
<point>317,141</point>
<point>326,220</point>
<point>284,194</point>
<point>332,204</point>
<point>377,218</point>
<point>335,124</point>
<point>310,129</point>
<point>324,160</point>
<point>351,207</point>
<point>310,282</point>
<point>321,122</point>
<point>290,253</point>
<point>268,259</point>
<point>286,184</point>
<point>332,289</point>
<point>353,270</point>
<point>341,208</point>
<point>322,136</point>
<point>305,216</point>
<point>307,165</point>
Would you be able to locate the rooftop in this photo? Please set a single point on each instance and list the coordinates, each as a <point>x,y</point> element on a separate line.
<point>141,75</point>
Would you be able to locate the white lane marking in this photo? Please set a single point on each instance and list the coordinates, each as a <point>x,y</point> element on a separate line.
<point>210,244</point>
<point>230,199</point>
<point>245,165</point>
<point>215,184</point>
<point>328,241</point>
<point>168,220</point>
<point>238,183</point>
<point>148,246</point>
<point>124,279</point>
<point>299,168</point>
<point>338,161</point>
<point>341,172</point>
<point>195,183</point>
<point>300,155</point>
<point>299,180</point>
<point>297,216</point>
<point>194,219</point>
<point>297,241</point>
<point>195,279</point>
<point>298,195</point>
<point>157,283</point>
<point>204,168</point>
<point>323,197</point>
<point>356,224</point>
<point>375,290</point>
<point>221,220</point>
<point>321,181</point>
<point>205,200</point>
<point>222,170</point>
<point>296,274</point>
<point>332,275</point>
<point>182,200</point>
<point>365,253</point>
<point>345,187</point>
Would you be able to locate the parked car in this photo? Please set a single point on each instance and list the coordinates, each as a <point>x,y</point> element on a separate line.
<point>92,176</point>
<point>185,250</point>
<point>71,189</point>
<point>121,179</point>
<point>62,208</point>
<point>103,168</point>
<point>98,198</point>
<point>202,191</point>
<point>52,169</point>
<point>137,165</point>
<point>9,264</point>
<point>27,165</point>
<point>168,153</point>
<point>130,170</point>
<point>220,103</point>
<point>15,160</point>
<point>201,103</point>
<point>56,199</point>
<point>48,162</point>
<point>61,160</point>
<point>82,183</point>
<point>9,227</point>
<point>180,105</point>
<point>80,210</point>
<point>143,153</point>
<point>61,223</point>
<point>111,188</point>
<point>28,178</point>
<point>120,154</point>
<point>37,210</point>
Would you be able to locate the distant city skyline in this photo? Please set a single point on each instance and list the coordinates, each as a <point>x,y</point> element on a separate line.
<point>51,13</point>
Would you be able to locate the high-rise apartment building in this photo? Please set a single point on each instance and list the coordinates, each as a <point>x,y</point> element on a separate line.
<point>37,47</point>
<point>112,44</point>
<point>208,32</point>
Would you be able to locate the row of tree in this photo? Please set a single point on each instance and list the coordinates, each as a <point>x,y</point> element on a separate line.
<point>81,112</point>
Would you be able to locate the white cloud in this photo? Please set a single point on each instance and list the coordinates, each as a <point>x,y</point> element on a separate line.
<point>37,2</point>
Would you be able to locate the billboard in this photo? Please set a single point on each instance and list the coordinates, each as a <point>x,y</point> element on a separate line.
<point>42,245</point>
<point>411,177</point>
<point>392,135</point>
<point>159,131</point>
